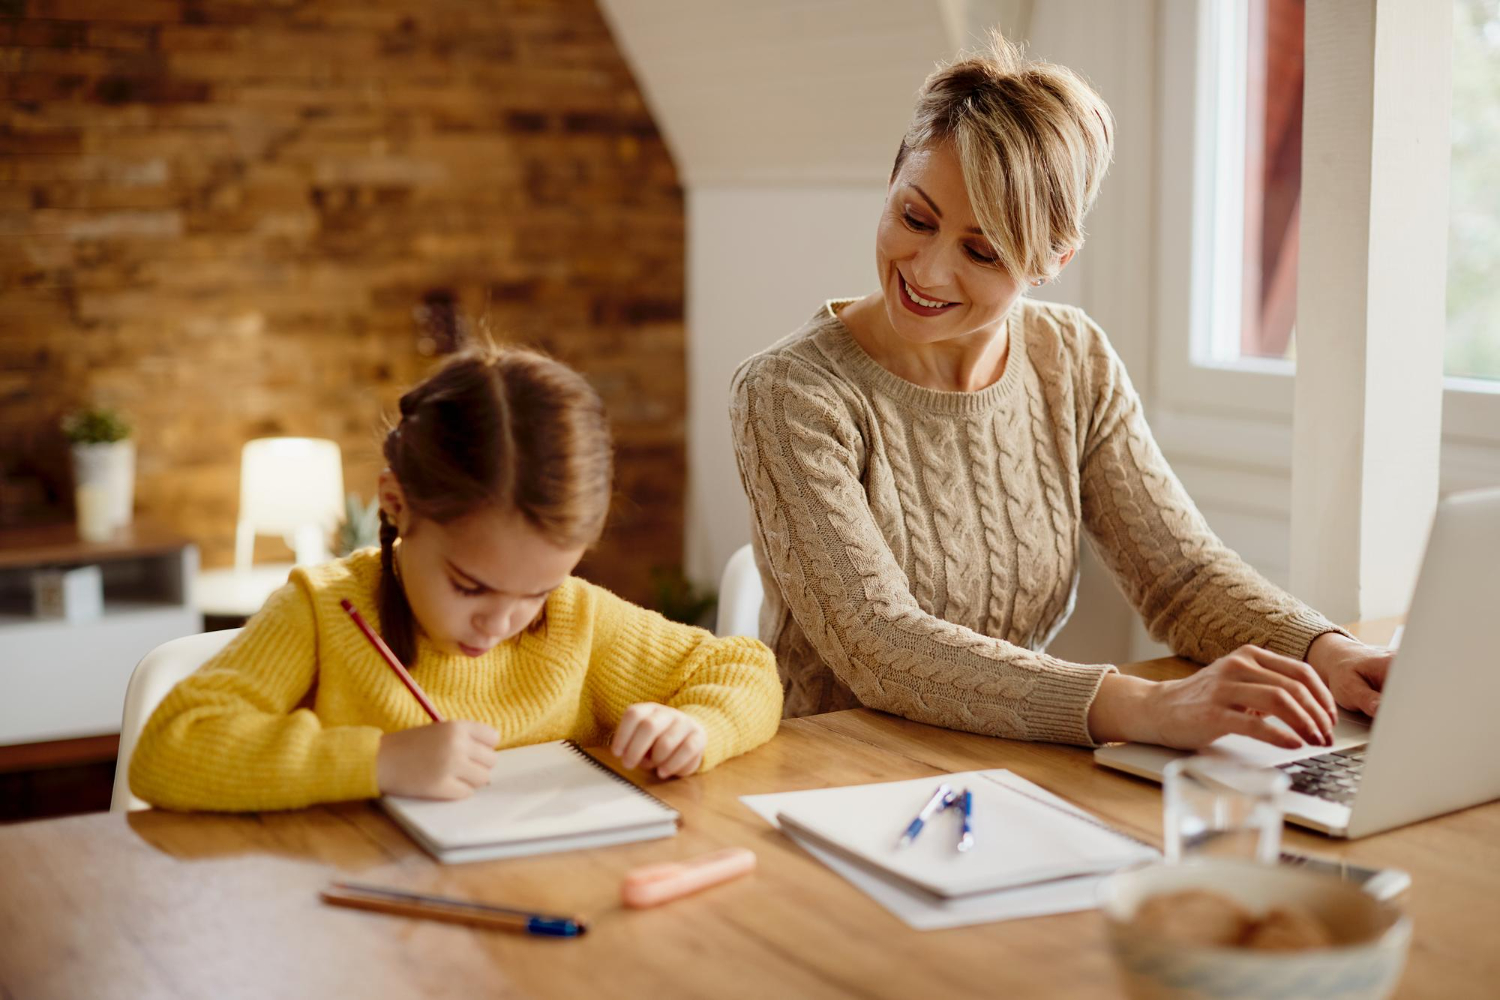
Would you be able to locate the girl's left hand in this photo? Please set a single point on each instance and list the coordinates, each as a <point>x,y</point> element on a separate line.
<point>1354,672</point>
<point>655,736</point>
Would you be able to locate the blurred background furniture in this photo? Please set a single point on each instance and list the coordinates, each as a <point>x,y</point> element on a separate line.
<point>62,682</point>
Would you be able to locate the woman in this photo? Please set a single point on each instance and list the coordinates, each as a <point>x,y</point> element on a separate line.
<point>921,461</point>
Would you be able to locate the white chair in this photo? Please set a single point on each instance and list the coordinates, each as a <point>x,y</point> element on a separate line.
<point>153,677</point>
<point>292,487</point>
<point>740,596</point>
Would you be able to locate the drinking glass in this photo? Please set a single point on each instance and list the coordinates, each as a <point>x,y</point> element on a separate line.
<point>1221,808</point>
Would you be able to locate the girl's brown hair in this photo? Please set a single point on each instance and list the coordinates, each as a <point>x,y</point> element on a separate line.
<point>496,426</point>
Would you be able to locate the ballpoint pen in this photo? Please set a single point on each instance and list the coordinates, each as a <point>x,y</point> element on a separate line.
<point>966,803</point>
<point>940,799</point>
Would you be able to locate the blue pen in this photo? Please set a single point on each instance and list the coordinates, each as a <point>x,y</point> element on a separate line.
<point>940,799</point>
<point>966,839</point>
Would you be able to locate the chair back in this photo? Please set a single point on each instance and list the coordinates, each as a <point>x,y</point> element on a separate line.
<point>740,596</point>
<point>153,677</point>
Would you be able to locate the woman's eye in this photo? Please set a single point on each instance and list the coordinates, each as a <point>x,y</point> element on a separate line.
<point>982,258</point>
<point>466,591</point>
<point>914,223</point>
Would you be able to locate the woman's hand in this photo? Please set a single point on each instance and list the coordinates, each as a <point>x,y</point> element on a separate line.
<point>446,760</point>
<point>1234,694</point>
<point>655,736</point>
<point>1354,672</point>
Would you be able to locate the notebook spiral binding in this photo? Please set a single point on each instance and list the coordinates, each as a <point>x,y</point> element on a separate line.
<point>576,748</point>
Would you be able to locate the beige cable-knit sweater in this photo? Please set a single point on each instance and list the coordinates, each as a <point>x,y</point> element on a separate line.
<point>919,548</point>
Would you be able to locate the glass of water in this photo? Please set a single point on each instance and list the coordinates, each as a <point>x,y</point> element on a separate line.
<point>1220,808</point>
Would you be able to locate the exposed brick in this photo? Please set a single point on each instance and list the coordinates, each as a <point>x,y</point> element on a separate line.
<point>222,217</point>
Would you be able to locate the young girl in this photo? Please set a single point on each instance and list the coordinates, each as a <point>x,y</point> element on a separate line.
<point>498,481</point>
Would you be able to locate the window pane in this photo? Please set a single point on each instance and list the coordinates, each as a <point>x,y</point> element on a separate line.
<point>1473,346</point>
<point>1271,36</point>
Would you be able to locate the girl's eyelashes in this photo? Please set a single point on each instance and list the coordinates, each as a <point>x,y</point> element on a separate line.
<point>913,223</point>
<point>466,591</point>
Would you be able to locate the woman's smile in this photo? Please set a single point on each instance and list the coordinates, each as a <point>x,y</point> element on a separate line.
<point>923,305</point>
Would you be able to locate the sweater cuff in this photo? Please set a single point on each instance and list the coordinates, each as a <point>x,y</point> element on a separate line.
<point>1297,631</point>
<point>1057,710</point>
<point>722,735</point>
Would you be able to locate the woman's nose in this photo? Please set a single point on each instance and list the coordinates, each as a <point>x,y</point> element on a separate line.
<point>930,267</point>
<point>494,623</point>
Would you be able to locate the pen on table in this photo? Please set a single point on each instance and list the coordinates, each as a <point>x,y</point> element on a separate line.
<point>938,800</point>
<point>390,659</point>
<point>966,803</point>
<point>461,911</point>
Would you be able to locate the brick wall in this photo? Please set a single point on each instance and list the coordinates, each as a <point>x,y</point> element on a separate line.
<point>224,219</point>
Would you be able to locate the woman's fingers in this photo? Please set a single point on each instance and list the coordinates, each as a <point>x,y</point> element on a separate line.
<point>680,750</point>
<point>1267,699</point>
<point>1259,728</point>
<point>1303,675</point>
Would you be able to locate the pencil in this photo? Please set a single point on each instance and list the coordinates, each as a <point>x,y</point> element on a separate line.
<point>462,911</point>
<point>390,659</point>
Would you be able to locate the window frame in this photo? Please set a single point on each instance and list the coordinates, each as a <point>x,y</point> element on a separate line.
<point>1193,238</point>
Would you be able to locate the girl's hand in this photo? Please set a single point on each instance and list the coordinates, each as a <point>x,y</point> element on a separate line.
<point>1354,672</point>
<point>1234,694</point>
<point>446,760</point>
<point>655,736</point>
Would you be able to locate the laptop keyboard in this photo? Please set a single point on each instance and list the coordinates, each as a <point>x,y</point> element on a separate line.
<point>1330,776</point>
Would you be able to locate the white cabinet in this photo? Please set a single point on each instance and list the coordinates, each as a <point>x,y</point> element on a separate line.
<point>63,680</point>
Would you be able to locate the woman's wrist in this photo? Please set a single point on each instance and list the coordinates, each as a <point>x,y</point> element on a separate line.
<point>1121,710</point>
<point>1323,649</point>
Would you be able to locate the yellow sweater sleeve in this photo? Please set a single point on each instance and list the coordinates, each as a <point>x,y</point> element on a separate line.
<point>728,685</point>
<point>230,738</point>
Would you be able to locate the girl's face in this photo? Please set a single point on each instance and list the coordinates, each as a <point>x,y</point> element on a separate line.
<point>475,582</point>
<point>938,274</point>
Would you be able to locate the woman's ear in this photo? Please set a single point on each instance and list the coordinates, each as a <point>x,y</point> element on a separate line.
<point>393,501</point>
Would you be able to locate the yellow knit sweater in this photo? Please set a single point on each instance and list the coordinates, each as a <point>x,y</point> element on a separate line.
<point>238,735</point>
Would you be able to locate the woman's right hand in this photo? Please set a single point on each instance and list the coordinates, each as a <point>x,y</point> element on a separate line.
<point>446,760</point>
<point>1237,693</point>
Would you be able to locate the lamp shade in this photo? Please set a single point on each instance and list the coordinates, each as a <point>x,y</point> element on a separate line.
<point>289,483</point>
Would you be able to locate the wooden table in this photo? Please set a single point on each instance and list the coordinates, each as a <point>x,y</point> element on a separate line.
<point>166,905</point>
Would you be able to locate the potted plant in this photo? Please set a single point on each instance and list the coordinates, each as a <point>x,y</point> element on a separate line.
<point>360,527</point>
<point>103,471</point>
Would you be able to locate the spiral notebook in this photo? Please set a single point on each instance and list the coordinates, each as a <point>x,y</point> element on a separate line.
<point>540,799</point>
<point>1022,836</point>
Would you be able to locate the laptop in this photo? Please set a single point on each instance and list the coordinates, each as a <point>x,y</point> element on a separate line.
<point>1430,750</point>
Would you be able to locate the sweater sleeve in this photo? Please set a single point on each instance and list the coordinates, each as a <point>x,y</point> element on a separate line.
<point>230,737</point>
<point>728,685</point>
<point>800,454</point>
<point>1194,593</point>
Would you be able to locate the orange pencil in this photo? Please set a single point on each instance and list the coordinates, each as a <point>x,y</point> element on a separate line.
<point>390,659</point>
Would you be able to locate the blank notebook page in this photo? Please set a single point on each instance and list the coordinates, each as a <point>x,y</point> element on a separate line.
<point>535,792</point>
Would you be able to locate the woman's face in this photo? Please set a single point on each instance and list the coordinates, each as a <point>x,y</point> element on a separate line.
<point>938,274</point>
<point>475,582</point>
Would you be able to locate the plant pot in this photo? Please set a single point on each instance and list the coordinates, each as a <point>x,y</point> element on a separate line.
<point>104,488</point>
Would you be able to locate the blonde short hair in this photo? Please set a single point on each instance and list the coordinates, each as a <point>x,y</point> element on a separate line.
<point>1033,140</point>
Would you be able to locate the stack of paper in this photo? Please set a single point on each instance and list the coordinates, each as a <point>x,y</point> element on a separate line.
<point>1034,853</point>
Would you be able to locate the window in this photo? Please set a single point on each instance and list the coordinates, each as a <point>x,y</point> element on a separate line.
<point>1258,76</point>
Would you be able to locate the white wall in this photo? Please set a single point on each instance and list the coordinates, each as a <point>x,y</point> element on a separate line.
<point>761,259</point>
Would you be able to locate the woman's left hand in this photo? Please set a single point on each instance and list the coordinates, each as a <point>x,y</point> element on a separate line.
<point>661,738</point>
<point>1354,672</point>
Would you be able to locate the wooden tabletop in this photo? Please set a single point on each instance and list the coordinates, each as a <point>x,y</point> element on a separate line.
<point>156,904</point>
<point>60,544</point>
